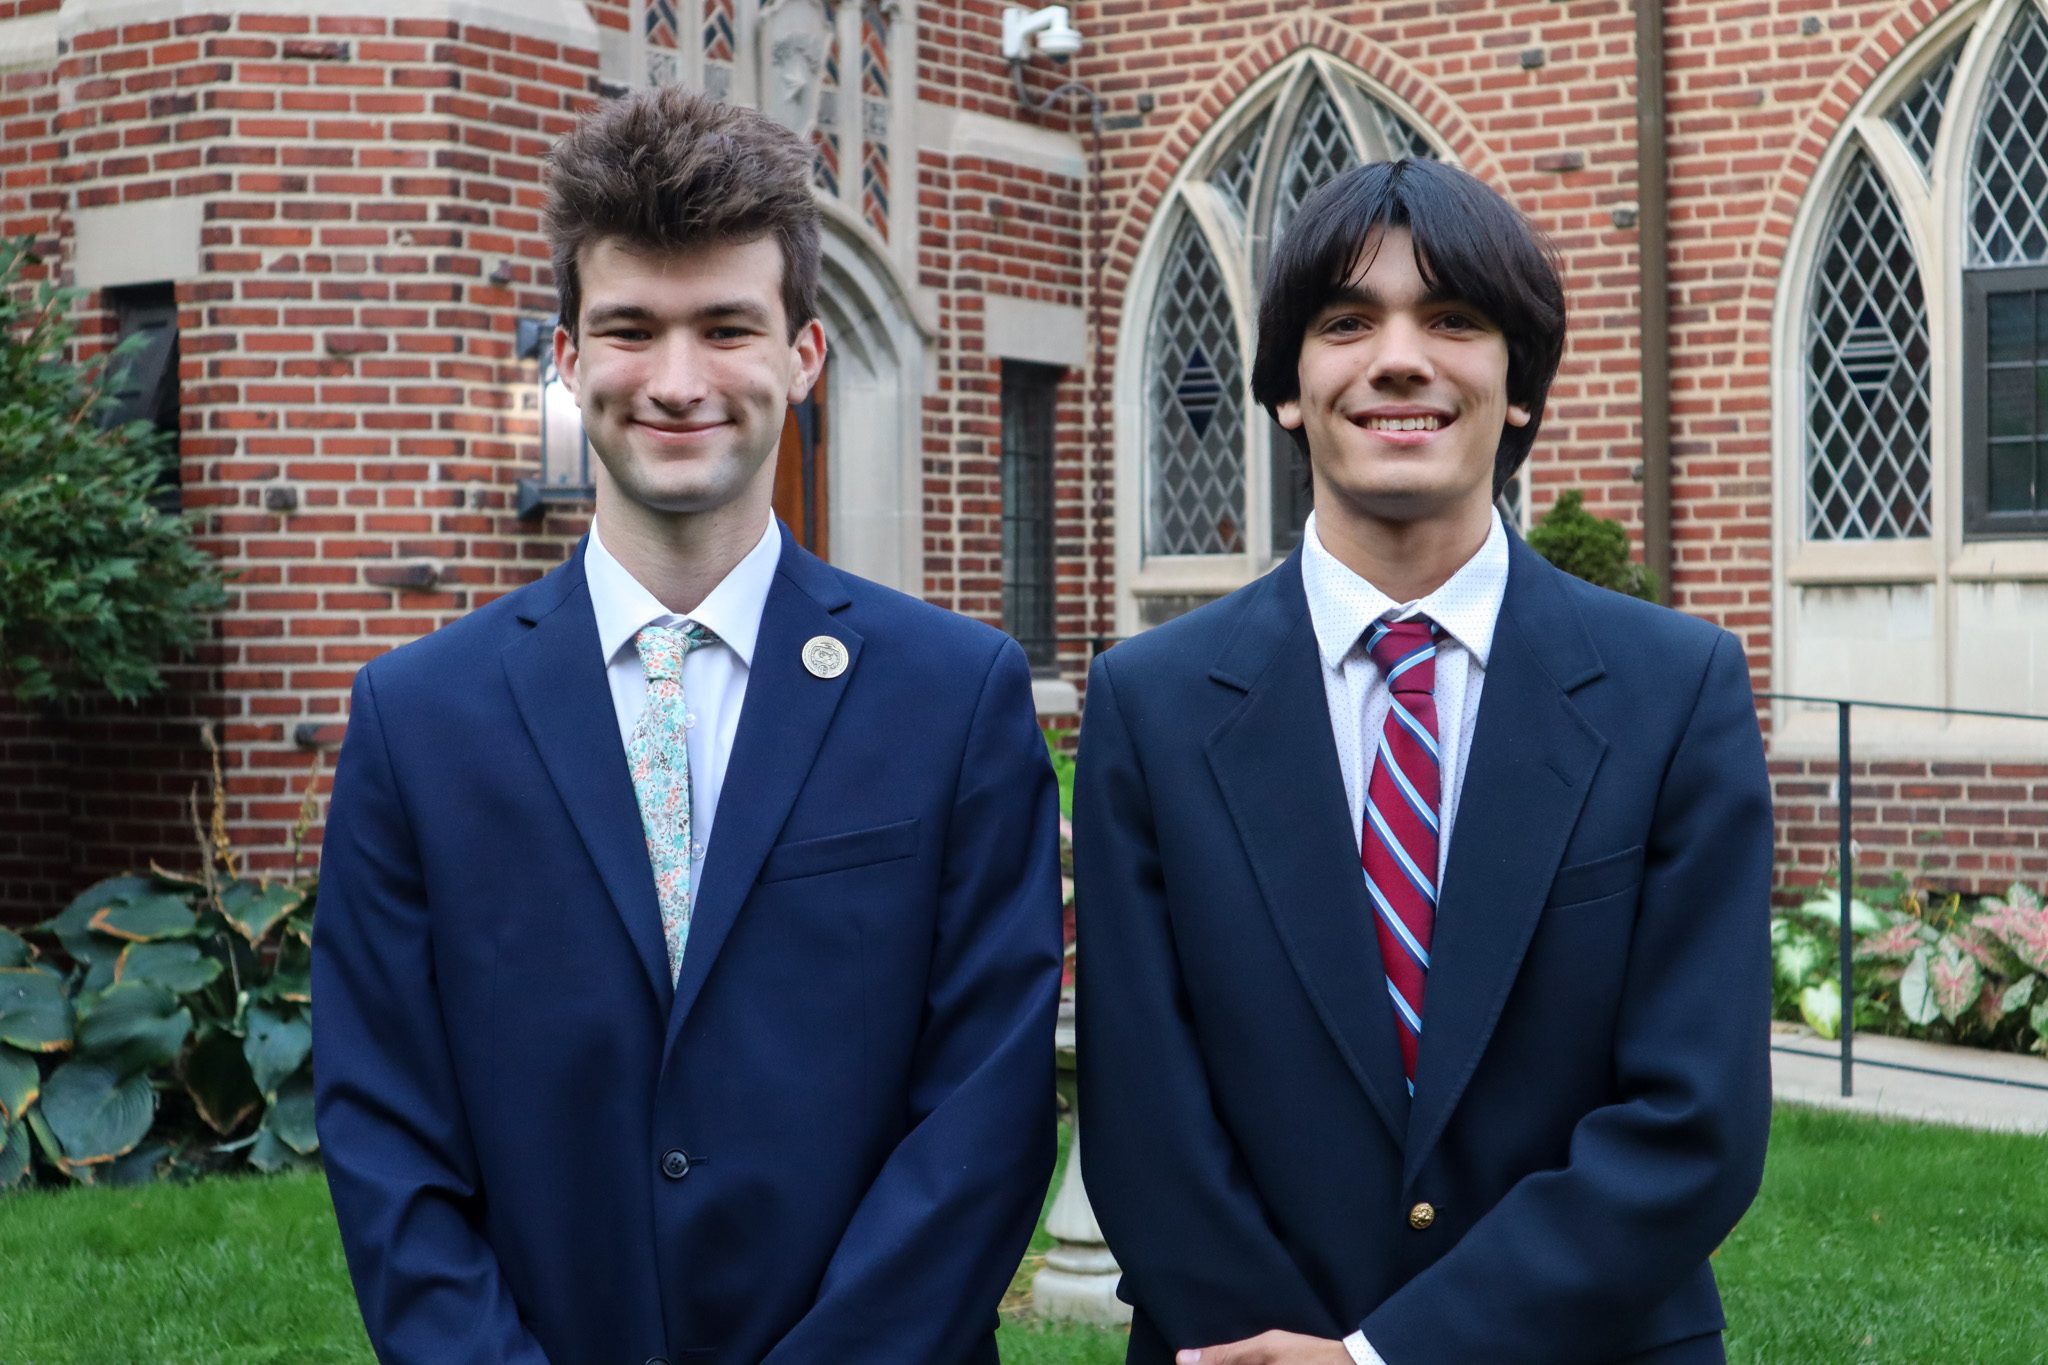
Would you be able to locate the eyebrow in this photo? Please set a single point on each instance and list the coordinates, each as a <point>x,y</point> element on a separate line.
<point>745,309</point>
<point>1365,296</point>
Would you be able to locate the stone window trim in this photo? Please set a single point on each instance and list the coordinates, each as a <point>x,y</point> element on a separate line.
<point>1226,192</point>
<point>1925,164</point>
<point>859,137</point>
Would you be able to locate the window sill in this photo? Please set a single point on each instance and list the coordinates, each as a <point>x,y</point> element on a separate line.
<point>1870,561</point>
<point>1215,574</point>
<point>2001,559</point>
<point>1877,735</point>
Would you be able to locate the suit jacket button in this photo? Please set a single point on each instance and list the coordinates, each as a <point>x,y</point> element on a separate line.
<point>1421,1216</point>
<point>675,1163</point>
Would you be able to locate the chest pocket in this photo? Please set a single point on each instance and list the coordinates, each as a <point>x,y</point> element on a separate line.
<point>838,852</point>
<point>1596,880</point>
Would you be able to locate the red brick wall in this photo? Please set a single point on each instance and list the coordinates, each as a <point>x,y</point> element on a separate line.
<point>1970,827</point>
<point>372,234</point>
<point>988,227</point>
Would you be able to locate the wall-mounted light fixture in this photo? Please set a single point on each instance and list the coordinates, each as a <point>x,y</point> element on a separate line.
<point>1057,39</point>
<point>1056,36</point>
<point>564,448</point>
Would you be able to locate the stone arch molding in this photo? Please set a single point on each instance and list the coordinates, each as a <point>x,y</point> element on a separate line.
<point>1219,112</point>
<point>1162,571</point>
<point>875,380</point>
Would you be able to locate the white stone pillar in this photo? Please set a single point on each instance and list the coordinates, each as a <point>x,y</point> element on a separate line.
<point>1079,1280</point>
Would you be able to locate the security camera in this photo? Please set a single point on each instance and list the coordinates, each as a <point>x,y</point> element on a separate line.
<point>1056,37</point>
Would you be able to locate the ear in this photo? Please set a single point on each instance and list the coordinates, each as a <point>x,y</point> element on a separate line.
<point>566,353</point>
<point>1288,413</point>
<point>810,359</point>
<point>1518,415</point>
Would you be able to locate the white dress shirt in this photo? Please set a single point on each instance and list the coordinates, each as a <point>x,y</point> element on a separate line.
<point>714,675</point>
<point>1341,605</point>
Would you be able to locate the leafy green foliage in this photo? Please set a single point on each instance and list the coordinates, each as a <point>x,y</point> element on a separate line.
<point>175,1041</point>
<point>96,583</point>
<point>1921,966</point>
<point>1590,547</point>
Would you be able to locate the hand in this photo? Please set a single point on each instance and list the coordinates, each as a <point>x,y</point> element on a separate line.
<point>1270,1348</point>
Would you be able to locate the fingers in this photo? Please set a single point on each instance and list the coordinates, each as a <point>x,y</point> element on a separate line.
<point>1256,1350</point>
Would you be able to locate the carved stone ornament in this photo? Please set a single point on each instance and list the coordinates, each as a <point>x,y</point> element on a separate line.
<point>792,39</point>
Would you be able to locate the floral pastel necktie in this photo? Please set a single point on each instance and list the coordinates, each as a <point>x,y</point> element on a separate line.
<point>659,756</point>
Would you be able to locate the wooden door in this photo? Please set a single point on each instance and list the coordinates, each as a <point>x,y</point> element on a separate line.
<point>801,492</point>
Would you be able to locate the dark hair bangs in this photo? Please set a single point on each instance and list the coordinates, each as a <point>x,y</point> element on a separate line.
<point>1469,244</point>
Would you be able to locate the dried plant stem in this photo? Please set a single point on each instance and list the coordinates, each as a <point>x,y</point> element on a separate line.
<point>308,809</point>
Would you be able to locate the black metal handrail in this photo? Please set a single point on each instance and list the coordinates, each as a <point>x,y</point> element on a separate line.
<point>1844,859</point>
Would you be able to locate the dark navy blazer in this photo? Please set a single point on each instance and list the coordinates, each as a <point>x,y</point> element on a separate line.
<point>856,1066</point>
<point>1592,1094</point>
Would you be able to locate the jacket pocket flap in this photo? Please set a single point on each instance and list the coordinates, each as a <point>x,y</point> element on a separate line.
<point>1601,877</point>
<point>837,852</point>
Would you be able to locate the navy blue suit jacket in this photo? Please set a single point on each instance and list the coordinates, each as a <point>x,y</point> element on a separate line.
<point>857,1063</point>
<point>1592,1093</point>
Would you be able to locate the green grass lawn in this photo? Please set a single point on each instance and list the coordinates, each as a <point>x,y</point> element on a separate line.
<point>1872,1244</point>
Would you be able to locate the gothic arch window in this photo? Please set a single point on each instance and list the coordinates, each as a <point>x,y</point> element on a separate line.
<point>1217,492</point>
<point>1913,393</point>
<point>826,68</point>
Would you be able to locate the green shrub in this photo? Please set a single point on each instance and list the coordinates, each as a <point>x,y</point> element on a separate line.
<point>1590,547</point>
<point>96,583</point>
<point>177,1036</point>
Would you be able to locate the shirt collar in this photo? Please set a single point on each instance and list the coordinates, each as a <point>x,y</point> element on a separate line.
<point>1341,604</point>
<point>731,611</point>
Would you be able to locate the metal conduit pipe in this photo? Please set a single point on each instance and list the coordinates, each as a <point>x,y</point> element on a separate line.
<point>1653,249</point>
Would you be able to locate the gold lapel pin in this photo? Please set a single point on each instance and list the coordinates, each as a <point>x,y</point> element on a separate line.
<point>824,656</point>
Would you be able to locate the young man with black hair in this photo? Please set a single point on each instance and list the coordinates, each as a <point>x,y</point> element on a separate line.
<point>597,1083</point>
<point>1422,889</point>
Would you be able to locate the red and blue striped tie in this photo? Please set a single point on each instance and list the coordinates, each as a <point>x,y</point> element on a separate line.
<point>1401,803</point>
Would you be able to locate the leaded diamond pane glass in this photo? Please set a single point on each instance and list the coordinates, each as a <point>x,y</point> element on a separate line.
<point>1918,115</point>
<point>1868,470</point>
<point>2009,170</point>
<point>1195,396</point>
<point>1402,137</point>
<point>1320,151</point>
<point>1233,174</point>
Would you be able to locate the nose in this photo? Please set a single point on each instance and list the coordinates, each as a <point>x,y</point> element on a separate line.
<point>1400,360</point>
<point>678,378</point>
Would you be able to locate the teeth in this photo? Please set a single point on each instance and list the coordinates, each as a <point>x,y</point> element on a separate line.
<point>1403,423</point>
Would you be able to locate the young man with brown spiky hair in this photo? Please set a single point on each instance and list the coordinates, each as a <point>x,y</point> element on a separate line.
<point>690,919</point>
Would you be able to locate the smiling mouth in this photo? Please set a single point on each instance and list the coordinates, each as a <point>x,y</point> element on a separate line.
<point>659,429</point>
<point>1402,423</point>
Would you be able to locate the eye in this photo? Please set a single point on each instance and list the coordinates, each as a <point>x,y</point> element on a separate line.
<point>1457,321</point>
<point>1344,324</point>
<point>626,334</point>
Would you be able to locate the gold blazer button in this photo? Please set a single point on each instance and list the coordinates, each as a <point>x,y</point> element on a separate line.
<point>1421,1216</point>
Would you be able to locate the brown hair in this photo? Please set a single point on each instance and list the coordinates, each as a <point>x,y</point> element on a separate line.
<point>663,170</point>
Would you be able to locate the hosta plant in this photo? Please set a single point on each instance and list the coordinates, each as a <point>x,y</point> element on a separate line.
<point>180,1034</point>
<point>160,1024</point>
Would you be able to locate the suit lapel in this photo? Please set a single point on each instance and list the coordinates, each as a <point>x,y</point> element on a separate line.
<point>1531,762</point>
<point>782,724</point>
<point>557,675</point>
<point>1276,764</point>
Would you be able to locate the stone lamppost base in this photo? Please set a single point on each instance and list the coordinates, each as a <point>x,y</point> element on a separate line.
<point>1081,1294</point>
<point>1078,1283</point>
